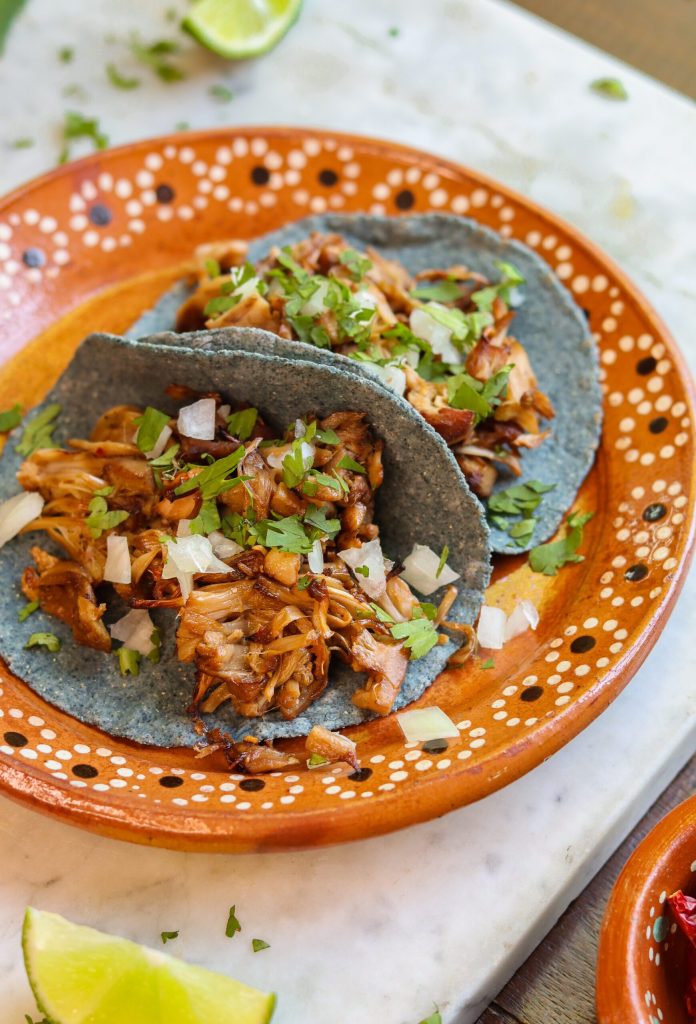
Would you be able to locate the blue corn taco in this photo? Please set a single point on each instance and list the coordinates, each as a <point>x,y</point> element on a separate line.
<point>244,526</point>
<point>474,330</point>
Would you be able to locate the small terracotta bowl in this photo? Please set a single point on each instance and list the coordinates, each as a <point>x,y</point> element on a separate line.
<point>641,965</point>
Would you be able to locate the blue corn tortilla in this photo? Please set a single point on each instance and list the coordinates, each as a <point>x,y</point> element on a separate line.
<point>549,324</point>
<point>424,499</point>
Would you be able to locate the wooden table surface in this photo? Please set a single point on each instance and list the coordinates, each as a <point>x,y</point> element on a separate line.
<point>556,984</point>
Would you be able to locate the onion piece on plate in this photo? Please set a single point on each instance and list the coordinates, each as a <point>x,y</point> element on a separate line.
<point>524,616</point>
<point>18,512</point>
<point>420,570</point>
<point>117,568</point>
<point>424,724</point>
<point>490,631</point>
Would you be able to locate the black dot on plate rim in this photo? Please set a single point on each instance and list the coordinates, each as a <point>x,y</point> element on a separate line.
<point>653,513</point>
<point>260,175</point>
<point>252,785</point>
<point>164,193</point>
<point>100,215</point>
<point>84,771</point>
<point>361,775</point>
<point>171,781</point>
<point>636,572</point>
<point>404,199</point>
<point>327,177</point>
<point>657,425</point>
<point>531,693</point>
<point>33,257</point>
<point>582,644</point>
<point>15,739</point>
<point>435,746</point>
<point>646,365</point>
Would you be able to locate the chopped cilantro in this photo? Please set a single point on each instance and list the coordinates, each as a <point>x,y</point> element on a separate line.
<point>488,663</point>
<point>208,518</point>
<point>38,432</point>
<point>518,500</point>
<point>168,936</point>
<point>522,531</point>
<point>434,1018</point>
<point>156,641</point>
<point>212,268</point>
<point>549,558</point>
<point>610,88</point>
<point>303,582</point>
<point>119,80</point>
<point>214,479</point>
<point>77,126</point>
<point>101,518</point>
<point>347,462</point>
<point>316,518</point>
<point>393,31</point>
<point>258,944</point>
<point>10,418</point>
<point>437,291</point>
<point>316,761</point>
<point>288,534</point>
<point>466,328</point>
<point>465,392</point>
<point>356,264</point>
<point>419,635</point>
<point>166,458</point>
<point>221,93</point>
<point>241,424</point>
<point>444,555</point>
<point>66,54</point>
<point>128,661</point>
<point>28,609</point>
<point>380,613</point>
<point>319,479</point>
<point>182,126</point>
<point>362,570</point>
<point>155,56</point>
<point>23,142</point>
<point>328,437</point>
<point>297,463</point>
<point>233,925</point>
<point>150,425</point>
<point>48,640</point>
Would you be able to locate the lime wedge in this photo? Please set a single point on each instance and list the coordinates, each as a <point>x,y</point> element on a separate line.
<point>241,28</point>
<point>80,975</point>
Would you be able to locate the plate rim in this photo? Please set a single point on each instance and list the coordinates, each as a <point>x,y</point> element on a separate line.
<point>194,829</point>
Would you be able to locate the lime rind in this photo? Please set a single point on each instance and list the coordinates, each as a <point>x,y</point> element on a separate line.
<point>238,29</point>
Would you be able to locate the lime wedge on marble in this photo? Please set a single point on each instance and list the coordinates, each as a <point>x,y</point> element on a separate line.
<point>80,975</point>
<point>240,28</point>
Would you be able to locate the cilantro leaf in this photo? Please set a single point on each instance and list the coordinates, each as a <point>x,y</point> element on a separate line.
<point>328,437</point>
<point>28,609</point>
<point>347,462</point>
<point>241,424</point>
<point>444,555</point>
<point>437,291</point>
<point>23,142</point>
<point>150,425</point>
<point>66,54</point>
<point>214,479</point>
<point>38,432</point>
<point>168,936</point>
<point>465,392</point>
<point>233,925</point>
<point>418,635</point>
<point>488,663</point>
<point>356,264</point>
<point>10,419</point>
<point>221,93</point>
<point>549,558</point>
<point>303,582</point>
<point>48,640</point>
<point>288,534</point>
<point>297,463</point>
<point>316,518</point>
<point>77,126</point>
<point>434,1018</point>
<point>101,518</point>
<point>258,944</point>
<point>156,641</point>
<point>155,54</point>
<point>363,570</point>
<point>128,661</point>
<point>120,81</point>
<point>208,518</point>
<point>212,268</point>
<point>380,613</point>
<point>610,88</point>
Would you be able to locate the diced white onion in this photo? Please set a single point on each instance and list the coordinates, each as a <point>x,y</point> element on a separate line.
<point>440,337</point>
<point>300,428</point>
<point>117,568</point>
<point>223,547</point>
<point>243,291</point>
<point>198,420</point>
<point>393,376</point>
<point>490,631</point>
<point>18,512</point>
<point>424,724</point>
<point>315,558</point>
<point>308,451</point>
<point>224,411</point>
<point>365,299</point>
<point>183,528</point>
<point>188,554</point>
<point>185,581</point>
<point>160,443</point>
<point>524,616</point>
<point>135,631</point>
<point>316,303</point>
<point>420,570</point>
<point>367,556</point>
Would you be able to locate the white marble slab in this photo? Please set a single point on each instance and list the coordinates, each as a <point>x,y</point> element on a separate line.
<point>378,931</point>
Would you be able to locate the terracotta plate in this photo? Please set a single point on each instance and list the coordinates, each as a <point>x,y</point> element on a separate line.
<point>642,956</point>
<point>93,244</point>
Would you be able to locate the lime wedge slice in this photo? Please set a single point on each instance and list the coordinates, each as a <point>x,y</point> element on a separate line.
<point>80,975</point>
<point>241,28</point>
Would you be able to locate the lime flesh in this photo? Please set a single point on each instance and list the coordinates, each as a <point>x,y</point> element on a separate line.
<point>241,28</point>
<point>82,976</point>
